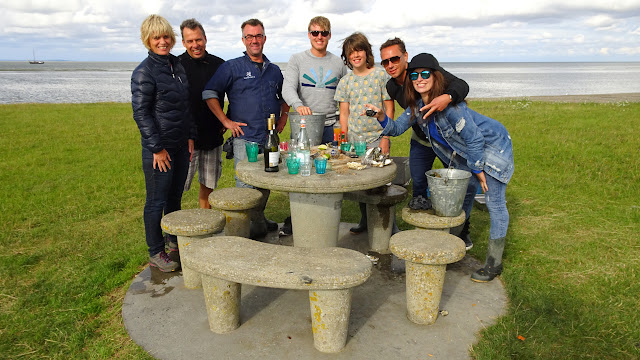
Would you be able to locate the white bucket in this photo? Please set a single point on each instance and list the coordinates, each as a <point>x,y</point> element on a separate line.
<point>448,188</point>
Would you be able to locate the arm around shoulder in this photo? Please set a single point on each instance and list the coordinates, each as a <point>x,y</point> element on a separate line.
<point>457,88</point>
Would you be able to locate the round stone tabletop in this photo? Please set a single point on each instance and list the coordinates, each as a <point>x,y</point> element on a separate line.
<point>329,183</point>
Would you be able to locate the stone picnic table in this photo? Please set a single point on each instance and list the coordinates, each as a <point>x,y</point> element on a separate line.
<point>316,200</point>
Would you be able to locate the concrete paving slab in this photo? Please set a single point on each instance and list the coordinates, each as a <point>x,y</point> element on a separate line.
<point>170,321</point>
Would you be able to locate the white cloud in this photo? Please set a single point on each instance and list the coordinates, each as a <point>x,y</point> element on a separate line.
<point>629,50</point>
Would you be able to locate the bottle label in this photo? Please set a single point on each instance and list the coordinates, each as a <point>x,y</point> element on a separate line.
<point>274,158</point>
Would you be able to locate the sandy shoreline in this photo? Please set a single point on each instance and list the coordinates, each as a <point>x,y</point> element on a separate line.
<point>600,98</point>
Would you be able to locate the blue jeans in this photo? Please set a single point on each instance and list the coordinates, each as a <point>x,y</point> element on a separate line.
<point>495,199</point>
<point>420,161</point>
<point>240,153</point>
<point>327,134</point>
<point>164,193</point>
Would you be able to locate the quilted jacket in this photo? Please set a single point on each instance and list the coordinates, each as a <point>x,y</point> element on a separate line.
<point>160,101</point>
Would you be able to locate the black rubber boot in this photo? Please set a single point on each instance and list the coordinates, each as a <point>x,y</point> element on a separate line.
<point>362,226</point>
<point>464,235</point>
<point>493,265</point>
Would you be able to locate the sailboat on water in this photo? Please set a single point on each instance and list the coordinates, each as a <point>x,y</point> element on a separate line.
<point>34,61</point>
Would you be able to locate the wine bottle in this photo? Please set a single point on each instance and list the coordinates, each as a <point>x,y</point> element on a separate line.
<point>271,148</point>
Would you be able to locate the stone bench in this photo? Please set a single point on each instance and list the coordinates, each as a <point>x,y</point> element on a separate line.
<point>329,274</point>
<point>237,204</point>
<point>426,254</point>
<point>428,220</point>
<point>190,225</point>
<point>381,204</point>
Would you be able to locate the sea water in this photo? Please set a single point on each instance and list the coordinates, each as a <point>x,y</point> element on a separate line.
<point>88,82</point>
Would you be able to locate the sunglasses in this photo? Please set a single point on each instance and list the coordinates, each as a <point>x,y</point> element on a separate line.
<point>394,60</point>
<point>324,33</point>
<point>423,74</point>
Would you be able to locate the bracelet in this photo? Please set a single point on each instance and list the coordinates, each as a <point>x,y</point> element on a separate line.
<point>450,97</point>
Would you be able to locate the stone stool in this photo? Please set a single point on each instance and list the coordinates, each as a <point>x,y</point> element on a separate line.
<point>237,204</point>
<point>190,225</point>
<point>427,220</point>
<point>426,254</point>
<point>381,213</point>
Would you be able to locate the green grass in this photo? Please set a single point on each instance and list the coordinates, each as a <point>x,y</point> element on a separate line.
<point>72,192</point>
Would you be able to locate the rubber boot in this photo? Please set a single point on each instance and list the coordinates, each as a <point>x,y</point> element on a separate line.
<point>362,226</point>
<point>464,235</point>
<point>493,265</point>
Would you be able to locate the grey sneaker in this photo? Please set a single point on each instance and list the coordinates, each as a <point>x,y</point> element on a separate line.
<point>170,244</point>
<point>468,244</point>
<point>162,261</point>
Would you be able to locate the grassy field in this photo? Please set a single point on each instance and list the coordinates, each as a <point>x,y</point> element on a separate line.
<point>72,193</point>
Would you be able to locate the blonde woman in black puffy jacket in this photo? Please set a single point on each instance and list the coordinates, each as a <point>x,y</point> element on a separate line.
<point>160,101</point>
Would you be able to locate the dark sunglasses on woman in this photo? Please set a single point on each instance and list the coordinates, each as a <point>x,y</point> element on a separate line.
<point>393,59</point>
<point>316,33</point>
<point>425,74</point>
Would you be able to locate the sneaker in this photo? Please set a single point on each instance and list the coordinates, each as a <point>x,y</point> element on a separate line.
<point>420,203</point>
<point>287,227</point>
<point>170,244</point>
<point>468,244</point>
<point>162,261</point>
<point>361,227</point>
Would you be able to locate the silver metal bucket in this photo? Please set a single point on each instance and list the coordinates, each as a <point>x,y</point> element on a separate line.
<point>314,125</point>
<point>448,188</point>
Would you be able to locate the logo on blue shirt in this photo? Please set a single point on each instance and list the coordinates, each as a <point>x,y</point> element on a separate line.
<point>249,76</point>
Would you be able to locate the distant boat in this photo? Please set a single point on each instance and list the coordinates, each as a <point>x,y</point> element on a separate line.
<point>34,61</point>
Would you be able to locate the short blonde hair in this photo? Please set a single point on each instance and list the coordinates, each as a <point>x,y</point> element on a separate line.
<point>320,21</point>
<point>155,25</point>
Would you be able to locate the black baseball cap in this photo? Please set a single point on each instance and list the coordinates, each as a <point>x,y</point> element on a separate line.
<point>424,60</point>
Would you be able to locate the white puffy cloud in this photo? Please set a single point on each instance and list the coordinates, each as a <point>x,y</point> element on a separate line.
<point>463,31</point>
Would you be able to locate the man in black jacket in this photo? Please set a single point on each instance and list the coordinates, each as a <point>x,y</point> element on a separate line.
<point>395,60</point>
<point>200,67</point>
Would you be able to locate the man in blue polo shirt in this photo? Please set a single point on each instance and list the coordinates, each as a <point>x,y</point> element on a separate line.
<point>253,86</point>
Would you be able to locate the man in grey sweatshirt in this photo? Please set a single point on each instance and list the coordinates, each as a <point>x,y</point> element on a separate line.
<point>310,82</point>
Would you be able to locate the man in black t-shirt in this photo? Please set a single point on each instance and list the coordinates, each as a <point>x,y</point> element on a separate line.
<point>200,67</point>
<point>395,60</point>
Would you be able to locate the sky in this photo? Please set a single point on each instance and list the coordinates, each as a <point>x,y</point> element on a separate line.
<point>454,31</point>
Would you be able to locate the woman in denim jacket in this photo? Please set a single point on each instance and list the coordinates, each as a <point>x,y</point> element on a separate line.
<point>476,143</point>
